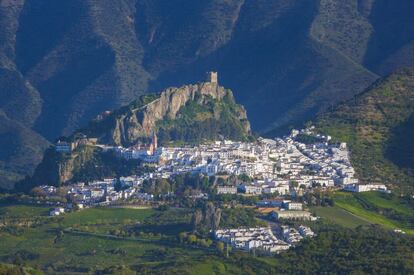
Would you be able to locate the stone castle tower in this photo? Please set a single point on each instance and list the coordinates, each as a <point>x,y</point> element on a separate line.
<point>212,77</point>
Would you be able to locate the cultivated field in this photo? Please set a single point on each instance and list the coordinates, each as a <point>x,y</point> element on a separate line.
<point>352,210</point>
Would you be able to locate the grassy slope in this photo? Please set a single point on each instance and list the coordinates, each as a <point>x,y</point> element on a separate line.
<point>22,211</point>
<point>371,207</point>
<point>337,215</point>
<point>86,253</point>
<point>370,123</point>
<point>94,251</point>
<point>111,215</point>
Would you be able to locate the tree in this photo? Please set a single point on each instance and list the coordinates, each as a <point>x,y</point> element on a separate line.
<point>220,247</point>
<point>37,192</point>
<point>245,178</point>
<point>192,238</point>
<point>216,219</point>
<point>209,242</point>
<point>196,219</point>
<point>203,243</point>
<point>118,185</point>
<point>220,181</point>
<point>182,236</point>
<point>75,206</point>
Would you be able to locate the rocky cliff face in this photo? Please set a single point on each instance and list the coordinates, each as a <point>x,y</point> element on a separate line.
<point>173,99</point>
<point>134,123</point>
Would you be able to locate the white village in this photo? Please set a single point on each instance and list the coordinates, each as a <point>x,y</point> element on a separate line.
<point>285,167</point>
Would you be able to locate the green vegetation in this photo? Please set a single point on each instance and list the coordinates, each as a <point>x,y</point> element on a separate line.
<point>205,119</point>
<point>377,208</point>
<point>111,216</point>
<point>104,239</point>
<point>69,251</point>
<point>339,216</point>
<point>22,211</point>
<point>377,127</point>
<point>202,118</point>
<point>366,250</point>
<point>239,217</point>
<point>10,269</point>
<point>206,218</point>
<point>147,241</point>
<point>307,139</point>
<point>351,210</point>
<point>21,149</point>
<point>181,185</point>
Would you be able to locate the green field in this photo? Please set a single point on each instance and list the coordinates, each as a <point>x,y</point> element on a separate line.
<point>103,220</point>
<point>23,211</point>
<point>353,209</point>
<point>144,241</point>
<point>339,216</point>
<point>79,242</point>
<point>381,200</point>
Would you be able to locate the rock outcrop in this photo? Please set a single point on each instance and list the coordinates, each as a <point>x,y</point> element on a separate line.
<point>138,121</point>
<point>191,113</point>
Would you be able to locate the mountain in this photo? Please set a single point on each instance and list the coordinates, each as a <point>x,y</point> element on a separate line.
<point>189,114</point>
<point>15,162</point>
<point>64,62</point>
<point>378,125</point>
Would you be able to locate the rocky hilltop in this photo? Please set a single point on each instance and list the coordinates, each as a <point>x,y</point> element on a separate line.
<point>188,114</point>
<point>174,114</point>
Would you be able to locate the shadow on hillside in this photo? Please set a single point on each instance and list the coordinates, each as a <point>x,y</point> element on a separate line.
<point>400,148</point>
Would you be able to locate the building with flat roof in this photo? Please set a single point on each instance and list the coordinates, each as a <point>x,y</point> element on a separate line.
<point>294,206</point>
<point>292,215</point>
<point>226,190</point>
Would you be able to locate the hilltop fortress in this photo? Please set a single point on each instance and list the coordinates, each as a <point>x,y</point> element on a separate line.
<point>212,77</point>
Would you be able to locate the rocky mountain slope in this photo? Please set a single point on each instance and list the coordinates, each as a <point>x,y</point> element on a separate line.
<point>191,113</point>
<point>64,62</point>
<point>379,128</point>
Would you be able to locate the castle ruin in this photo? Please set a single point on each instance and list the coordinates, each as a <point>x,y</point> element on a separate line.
<point>212,77</point>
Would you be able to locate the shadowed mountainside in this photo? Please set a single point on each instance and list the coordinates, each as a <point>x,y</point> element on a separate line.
<point>63,62</point>
<point>378,126</point>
